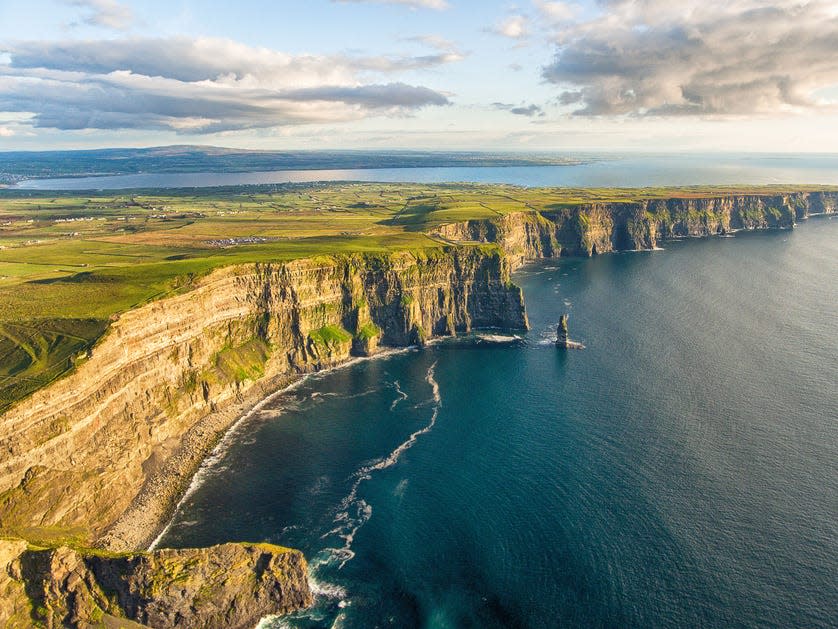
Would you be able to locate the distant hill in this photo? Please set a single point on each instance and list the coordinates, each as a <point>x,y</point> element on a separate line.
<point>18,165</point>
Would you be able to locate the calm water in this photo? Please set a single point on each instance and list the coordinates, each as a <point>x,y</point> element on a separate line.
<point>629,171</point>
<point>680,472</point>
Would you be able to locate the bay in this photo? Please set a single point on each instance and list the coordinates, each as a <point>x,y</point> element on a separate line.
<point>626,170</point>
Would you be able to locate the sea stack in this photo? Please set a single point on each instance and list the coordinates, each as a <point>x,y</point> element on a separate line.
<point>561,332</point>
<point>562,339</point>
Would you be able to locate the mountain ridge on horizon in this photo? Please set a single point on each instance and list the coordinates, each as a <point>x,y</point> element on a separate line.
<point>17,166</point>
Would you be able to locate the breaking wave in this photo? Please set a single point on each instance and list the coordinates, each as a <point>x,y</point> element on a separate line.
<point>354,512</point>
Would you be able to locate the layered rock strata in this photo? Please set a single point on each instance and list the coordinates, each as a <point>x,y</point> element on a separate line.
<point>168,379</point>
<point>231,585</point>
<point>76,453</point>
<point>592,228</point>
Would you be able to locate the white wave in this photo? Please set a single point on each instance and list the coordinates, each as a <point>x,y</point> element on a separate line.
<point>361,394</point>
<point>354,512</point>
<point>273,622</point>
<point>209,464</point>
<point>497,338</point>
<point>402,396</point>
<point>348,526</point>
<point>217,454</point>
<point>321,589</point>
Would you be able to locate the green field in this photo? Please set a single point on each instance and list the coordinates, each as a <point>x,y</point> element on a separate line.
<point>70,262</point>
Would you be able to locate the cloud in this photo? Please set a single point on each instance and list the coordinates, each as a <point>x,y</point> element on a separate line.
<point>529,111</point>
<point>433,41</point>
<point>105,13</point>
<point>439,5</point>
<point>5,132</point>
<point>514,27</point>
<point>556,12</point>
<point>447,51</point>
<point>698,57</point>
<point>209,59</point>
<point>200,85</point>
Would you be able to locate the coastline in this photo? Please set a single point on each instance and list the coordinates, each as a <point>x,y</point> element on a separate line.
<point>164,471</point>
<point>143,524</point>
<point>153,507</point>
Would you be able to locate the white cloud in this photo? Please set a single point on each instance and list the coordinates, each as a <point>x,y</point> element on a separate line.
<point>105,13</point>
<point>200,85</point>
<point>439,5</point>
<point>699,57</point>
<point>556,11</point>
<point>5,132</point>
<point>211,59</point>
<point>514,27</point>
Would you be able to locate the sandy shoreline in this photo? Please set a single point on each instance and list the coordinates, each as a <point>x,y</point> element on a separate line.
<point>155,504</point>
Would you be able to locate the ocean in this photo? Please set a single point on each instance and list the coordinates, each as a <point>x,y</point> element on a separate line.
<point>682,471</point>
<point>627,170</point>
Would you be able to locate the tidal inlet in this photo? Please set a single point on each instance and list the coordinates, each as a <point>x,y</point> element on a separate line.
<point>418,313</point>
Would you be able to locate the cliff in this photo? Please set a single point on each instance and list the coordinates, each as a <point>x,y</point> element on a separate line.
<point>103,453</point>
<point>76,454</point>
<point>591,228</point>
<point>231,585</point>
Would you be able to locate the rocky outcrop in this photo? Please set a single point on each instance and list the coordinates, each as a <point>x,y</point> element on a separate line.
<point>591,228</point>
<point>562,339</point>
<point>231,585</point>
<point>77,453</point>
<point>561,332</point>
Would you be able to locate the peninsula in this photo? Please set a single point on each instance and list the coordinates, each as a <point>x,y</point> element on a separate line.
<point>136,329</point>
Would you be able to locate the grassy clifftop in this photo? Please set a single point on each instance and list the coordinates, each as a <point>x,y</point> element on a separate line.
<point>70,263</point>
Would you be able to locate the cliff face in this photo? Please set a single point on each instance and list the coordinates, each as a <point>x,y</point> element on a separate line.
<point>232,585</point>
<point>522,236</point>
<point>592,228</point>
<point>76,453</point>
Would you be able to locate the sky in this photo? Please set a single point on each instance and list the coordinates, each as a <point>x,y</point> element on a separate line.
<point>534,75</point>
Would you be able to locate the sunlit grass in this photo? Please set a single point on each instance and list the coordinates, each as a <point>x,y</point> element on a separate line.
<point>70,262</point>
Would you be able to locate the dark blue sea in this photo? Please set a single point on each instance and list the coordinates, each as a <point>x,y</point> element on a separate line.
<point>682,471</point>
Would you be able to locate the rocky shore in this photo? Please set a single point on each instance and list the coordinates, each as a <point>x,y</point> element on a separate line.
<point>154,505</point>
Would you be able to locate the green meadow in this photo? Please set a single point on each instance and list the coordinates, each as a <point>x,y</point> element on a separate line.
<point>71,262</point>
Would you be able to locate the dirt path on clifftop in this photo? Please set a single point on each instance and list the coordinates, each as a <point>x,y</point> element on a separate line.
<point>153,507</point>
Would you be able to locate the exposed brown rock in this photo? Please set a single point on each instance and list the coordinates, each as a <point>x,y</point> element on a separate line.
<point>593,228</point>
<point>231,585</point>
<point>137,403</point>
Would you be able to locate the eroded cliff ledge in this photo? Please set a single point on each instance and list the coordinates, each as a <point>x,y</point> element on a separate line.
<point>77,453</point>
<point>592,228</point>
